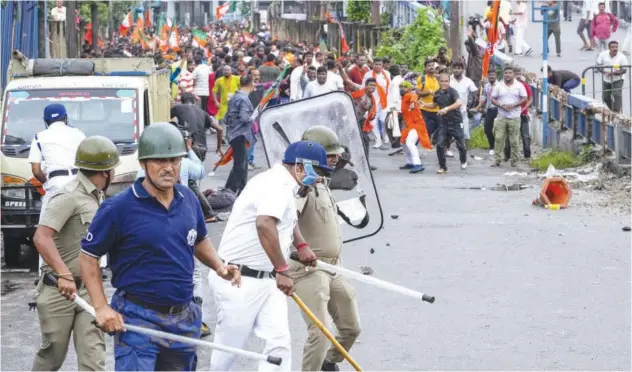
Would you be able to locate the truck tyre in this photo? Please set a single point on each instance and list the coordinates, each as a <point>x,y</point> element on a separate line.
<point>12,250</point>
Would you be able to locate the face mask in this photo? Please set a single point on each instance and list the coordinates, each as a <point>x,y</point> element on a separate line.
<point>310,175</point>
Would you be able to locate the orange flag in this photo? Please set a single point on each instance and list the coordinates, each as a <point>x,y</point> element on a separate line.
<point>227,157</point>
<point>492,37</point>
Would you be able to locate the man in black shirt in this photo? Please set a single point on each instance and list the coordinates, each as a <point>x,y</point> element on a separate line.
<point>198,122</point>
<point>564,79</point>
<point>450,122</point>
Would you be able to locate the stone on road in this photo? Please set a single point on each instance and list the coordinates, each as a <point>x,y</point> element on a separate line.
<point>516,286</point>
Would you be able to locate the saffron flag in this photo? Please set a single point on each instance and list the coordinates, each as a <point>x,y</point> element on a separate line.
<point>344,47</point>
<point>492,37</point>
<point>126,24</point>
<point>221,11</point>
<point>199,38</point>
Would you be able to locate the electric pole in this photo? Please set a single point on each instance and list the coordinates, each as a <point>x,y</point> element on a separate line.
<point>71,30</point>
<point>455,30</point>
<point>375,12</point>
<point>94,8</point>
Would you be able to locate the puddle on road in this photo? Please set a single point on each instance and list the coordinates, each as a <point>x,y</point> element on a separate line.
<point>8,286</point>
<point>513,187</point>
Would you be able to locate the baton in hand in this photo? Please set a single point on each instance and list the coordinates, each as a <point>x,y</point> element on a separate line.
<point>371,280</point>
<point>170,336</point>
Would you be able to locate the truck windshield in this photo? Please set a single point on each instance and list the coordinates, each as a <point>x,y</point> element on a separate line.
<point>111,113</point>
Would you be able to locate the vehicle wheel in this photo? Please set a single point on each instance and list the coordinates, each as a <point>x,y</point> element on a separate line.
<point>12,250</point>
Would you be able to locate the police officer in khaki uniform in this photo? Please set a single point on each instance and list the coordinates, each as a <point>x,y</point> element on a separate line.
<point>58,240</point>
<point>324,292</point>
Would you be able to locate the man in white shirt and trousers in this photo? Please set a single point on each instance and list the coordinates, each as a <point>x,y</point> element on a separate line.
<point>322,85</point>
<point>258,237</point>
<point>52,155</point>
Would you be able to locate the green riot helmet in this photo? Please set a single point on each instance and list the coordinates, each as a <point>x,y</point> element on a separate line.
<point>326,137</point>
<point>161,141</point>
<point>97,153</point>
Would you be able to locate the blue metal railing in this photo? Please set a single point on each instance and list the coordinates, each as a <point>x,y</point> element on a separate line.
<point>19,29</point>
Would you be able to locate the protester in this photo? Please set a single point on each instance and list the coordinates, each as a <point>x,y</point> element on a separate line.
<point>414,130</point>
<point>509,96</point>
<point>524,120</point>
<point>490,110</point>
<point>613,77</point>
<point>554,27</point>
<point>200,78</point>
<point>564,79</point>
<point>601,26</point>
<point>451,120</point>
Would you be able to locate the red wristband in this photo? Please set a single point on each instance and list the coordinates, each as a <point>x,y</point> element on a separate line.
<point>302,245</point>
<point>282,269</point>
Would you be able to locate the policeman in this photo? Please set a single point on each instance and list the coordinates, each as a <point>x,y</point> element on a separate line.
<point>322,290</point>
<point>58,240</point>
<point>151,231</point>
<point>52,154</point>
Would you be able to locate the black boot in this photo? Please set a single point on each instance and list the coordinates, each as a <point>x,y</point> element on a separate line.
<point>328,366</point>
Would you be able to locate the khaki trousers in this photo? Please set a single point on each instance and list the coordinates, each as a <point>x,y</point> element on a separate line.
<point>505,127</point>
<point>58,319</point>
<point>327,293</point>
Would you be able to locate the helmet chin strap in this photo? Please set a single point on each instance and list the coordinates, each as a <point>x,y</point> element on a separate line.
<point>108,180</point>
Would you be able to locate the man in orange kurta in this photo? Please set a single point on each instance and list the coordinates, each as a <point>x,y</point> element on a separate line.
<point>414,131</point>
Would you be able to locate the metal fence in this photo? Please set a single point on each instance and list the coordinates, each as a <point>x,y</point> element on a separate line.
<point>616,95</point>
<point>19,30</point>
<point>586,118</point>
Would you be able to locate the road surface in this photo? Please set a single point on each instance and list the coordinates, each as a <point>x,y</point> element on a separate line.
<point>518,287</point>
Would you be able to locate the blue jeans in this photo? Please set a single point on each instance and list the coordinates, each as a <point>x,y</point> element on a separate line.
<point>137,352</point>
<point>570,85</point>
<point>251,150</point>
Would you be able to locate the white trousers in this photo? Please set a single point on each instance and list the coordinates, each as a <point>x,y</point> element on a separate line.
<point>410,148</point>
<point>376,133</point>
<point>53,185</point>
<point>257,306</point>
<point>520,43</point>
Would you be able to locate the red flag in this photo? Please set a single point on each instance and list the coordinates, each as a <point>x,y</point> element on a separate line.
<point>344,47</point>
<point>492,37</point>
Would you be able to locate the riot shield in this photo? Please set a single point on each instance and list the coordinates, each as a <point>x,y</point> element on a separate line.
<point>359,206</point>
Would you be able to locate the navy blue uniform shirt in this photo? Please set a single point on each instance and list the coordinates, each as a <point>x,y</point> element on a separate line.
<point>150,248</point>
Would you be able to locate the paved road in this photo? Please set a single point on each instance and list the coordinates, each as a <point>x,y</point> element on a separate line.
<point>517,287</point>
<point>572,58</point>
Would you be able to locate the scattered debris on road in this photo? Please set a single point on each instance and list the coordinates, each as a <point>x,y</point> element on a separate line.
<point>366,270</point>
<point>627,228</point>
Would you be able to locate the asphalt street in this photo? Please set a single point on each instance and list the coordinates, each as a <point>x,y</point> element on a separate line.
<point>572,59</point>
<point>518,287</point>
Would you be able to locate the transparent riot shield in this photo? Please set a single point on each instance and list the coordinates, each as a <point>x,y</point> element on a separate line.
<point>359,206</point>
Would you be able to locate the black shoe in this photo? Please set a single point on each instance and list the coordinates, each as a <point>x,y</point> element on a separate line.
<point>328,366</point>
<point>198,300</point>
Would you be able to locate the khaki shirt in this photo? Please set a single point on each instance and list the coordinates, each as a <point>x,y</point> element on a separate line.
<point>69,212</point>
<point>319,224</point>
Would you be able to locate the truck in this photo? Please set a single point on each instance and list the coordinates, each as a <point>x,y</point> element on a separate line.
<point>117,99</point>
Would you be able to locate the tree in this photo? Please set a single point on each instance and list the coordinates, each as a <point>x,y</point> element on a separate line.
<point>415,42</point>
<point>359,10</point>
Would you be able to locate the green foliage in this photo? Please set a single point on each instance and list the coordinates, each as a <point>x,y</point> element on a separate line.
<point>559,159</point>
<point>119,11</point>
<point>385,19</point>
<point>244,7</point>
<point>414,43</point>
<point>478,139</point>
<point>359,10</point>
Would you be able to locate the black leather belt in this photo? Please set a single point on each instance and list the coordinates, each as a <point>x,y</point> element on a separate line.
<point>62,172</point>
<point>163,309</point>
<point>252,273</point>
<point>46,280</point>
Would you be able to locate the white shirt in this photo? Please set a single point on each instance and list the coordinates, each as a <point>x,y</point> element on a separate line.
<point>200,75</point>
<point>271,193</point>
<point>314,88</point>
<point>58,14</point>
<point>296,92</point>
<point>591,6</point>
<point>605,59</point>
<point>335,80</point>
<point>394,97</point>
<point>381,81</point>
<point>522,20</point>
<point>56,148</point>
<point>464,87</point>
